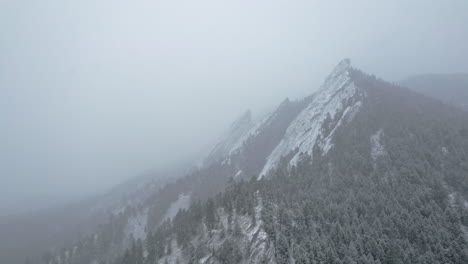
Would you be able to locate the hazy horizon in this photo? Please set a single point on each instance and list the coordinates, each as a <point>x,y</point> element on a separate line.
<point>94,93</point>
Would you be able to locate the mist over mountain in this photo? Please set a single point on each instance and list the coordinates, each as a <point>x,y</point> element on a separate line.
<point>361,171</point>
<point>37,231</point>
<point>233,132</point>
<point>450,88</point>
<point>94,93</point>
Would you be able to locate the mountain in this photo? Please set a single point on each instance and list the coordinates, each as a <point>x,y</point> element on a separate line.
<point>361,171</point>
<point>450,88</point>
<point>33,233</point>
<point>232,139</point>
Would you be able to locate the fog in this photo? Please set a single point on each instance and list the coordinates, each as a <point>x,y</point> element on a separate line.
<point>95,92</point>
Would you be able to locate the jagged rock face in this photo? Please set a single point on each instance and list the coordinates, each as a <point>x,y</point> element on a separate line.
<point>337,101</point>
<point>214,246</point>
<point>232,139</point>
<point>296,126</point>
<point>251,156</point>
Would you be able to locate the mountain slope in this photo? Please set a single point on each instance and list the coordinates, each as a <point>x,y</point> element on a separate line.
<point>390,189</point>
<point>232,139</point>
<point>338,98</point>
<point>32,235</point>
<point>362,171</point>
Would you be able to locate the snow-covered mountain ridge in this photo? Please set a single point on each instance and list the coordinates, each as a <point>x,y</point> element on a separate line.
<point>232,139</point>
<point>337,101</point>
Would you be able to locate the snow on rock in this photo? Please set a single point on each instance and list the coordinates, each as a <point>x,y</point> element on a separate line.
<point>257,237</point>
<point>239,173</point>
<point>306,130</point>
<point>348,114</point>
<point>183,202</point>
<point>452,198</point>
<point>176,255</point>
<point>252,240</point>
<point>233,138</point>
<point>136,225</point>
<point>377,148</point>
<point>256,128</point>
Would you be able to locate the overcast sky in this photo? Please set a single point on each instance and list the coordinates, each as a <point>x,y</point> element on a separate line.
<point>93,92</point>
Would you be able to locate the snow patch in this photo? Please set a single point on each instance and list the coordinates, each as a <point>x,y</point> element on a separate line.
<point>136,225</point>
<point>445,151</point>
<point>377,148</point>
<point>451,198</point>
<point>176,255</point>
<point>183,202</point>
<point>239,173</point>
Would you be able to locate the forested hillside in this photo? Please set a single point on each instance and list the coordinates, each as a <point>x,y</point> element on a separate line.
<point>384,182</point>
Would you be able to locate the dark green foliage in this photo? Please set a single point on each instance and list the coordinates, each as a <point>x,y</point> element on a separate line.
<point>343,207</point>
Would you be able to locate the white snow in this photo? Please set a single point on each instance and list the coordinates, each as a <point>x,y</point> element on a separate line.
<point>176,254</point>
<point>256,235</point>
<point>252,241</point>
<point>255,130</point>
<point>445,151</point>
<point>232,138</point>
<point>348,115</point>
<point>451,198</point>
<point>239,173</point>
<point>305,130</point>
<point>182,202</point>
<point>377,148</point>
<point>136,225</point>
